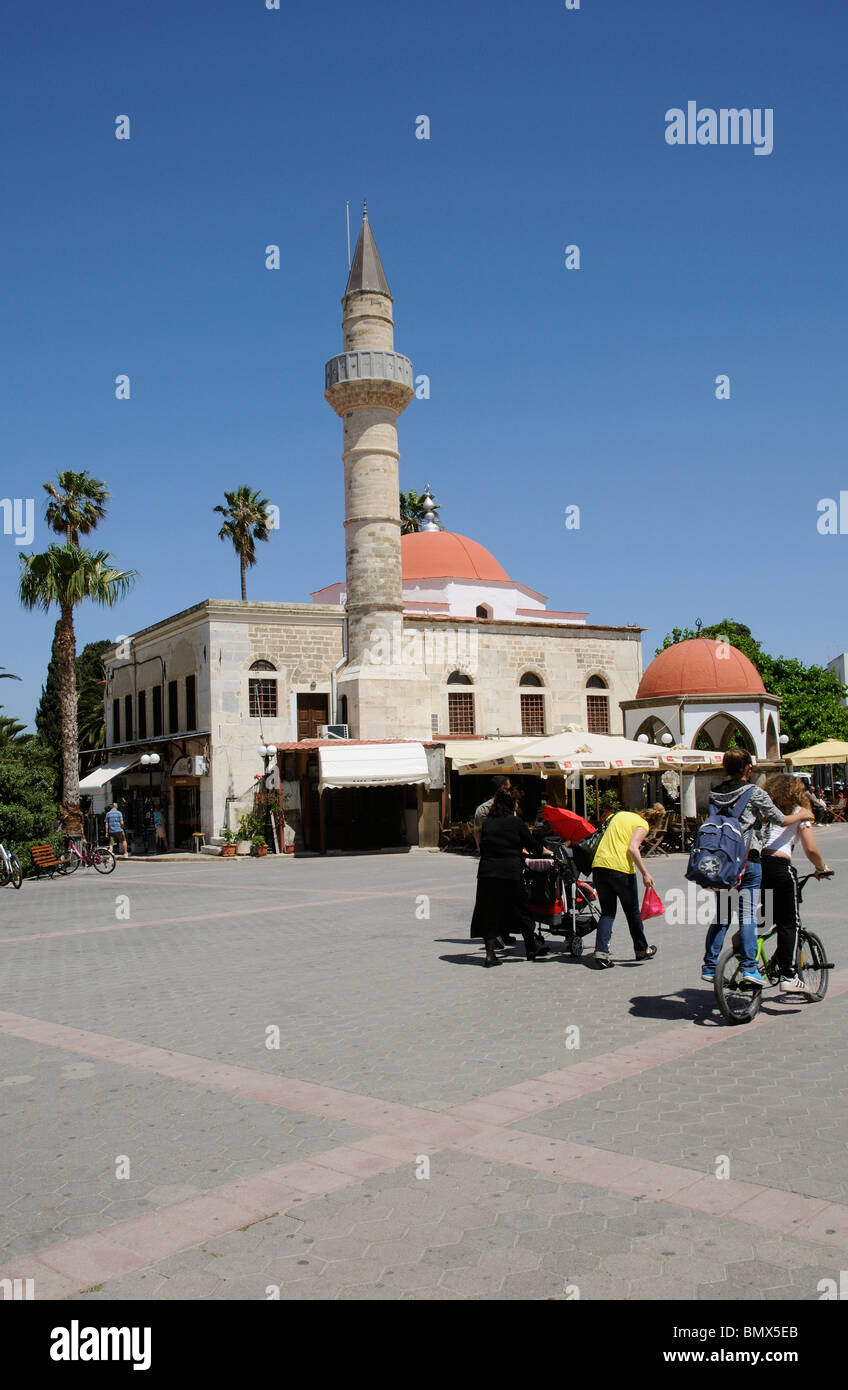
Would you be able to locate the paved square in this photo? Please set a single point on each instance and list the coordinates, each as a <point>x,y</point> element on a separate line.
<point>292,1078</point>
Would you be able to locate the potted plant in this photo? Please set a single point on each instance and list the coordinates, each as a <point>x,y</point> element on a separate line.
<point>245,831</point>
<point>260,846</point>
<point>228,848</point>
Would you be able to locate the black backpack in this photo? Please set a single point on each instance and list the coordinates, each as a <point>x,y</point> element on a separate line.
<point>584,851</point>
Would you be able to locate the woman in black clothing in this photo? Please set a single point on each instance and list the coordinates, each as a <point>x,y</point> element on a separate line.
<point>501,905</point>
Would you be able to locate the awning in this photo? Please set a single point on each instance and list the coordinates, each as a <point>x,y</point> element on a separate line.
<point>463,751</point>
<point>372,765</point>
<point>99,776</point>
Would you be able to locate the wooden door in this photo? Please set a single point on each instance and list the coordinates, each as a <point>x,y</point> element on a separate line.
<point>312,711</point>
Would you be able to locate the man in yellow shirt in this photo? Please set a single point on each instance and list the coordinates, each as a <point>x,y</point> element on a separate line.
<point>614,876</point>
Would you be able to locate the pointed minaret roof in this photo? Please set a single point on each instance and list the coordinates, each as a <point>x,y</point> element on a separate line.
<point>366,272</point>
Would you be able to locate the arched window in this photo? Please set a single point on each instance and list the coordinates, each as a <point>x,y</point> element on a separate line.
<point>483,611</point>
<point>262,692</point>
<point>530,678</point>
<point>597,707</point>
<point>460,705</point>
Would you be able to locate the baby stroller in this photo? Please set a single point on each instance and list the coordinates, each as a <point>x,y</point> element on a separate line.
<point>561,901</point>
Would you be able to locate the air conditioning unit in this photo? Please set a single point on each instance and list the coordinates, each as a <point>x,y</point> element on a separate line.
<point>333,731</point>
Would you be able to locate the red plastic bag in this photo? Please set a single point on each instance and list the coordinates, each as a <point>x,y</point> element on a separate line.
<point>652,905</point>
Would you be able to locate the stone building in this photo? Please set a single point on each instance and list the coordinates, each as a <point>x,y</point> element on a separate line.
<point>425,645</point>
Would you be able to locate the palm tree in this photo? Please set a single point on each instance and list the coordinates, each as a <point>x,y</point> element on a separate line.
<point>412,511</point>
<point>247,520</point>
<point>76,505</point>
<point>11,730</point>
<point>63,576</point>
<point>7,675</point>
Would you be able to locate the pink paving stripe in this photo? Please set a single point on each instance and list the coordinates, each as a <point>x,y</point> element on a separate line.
<point>554,1088</point>
<point>74,1265</point>
<point>198,917</point>
<point>805,1218</point>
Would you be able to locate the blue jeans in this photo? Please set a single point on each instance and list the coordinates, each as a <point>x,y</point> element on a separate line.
<point>749,892</point>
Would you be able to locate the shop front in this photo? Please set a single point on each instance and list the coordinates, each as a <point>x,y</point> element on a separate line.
<point>346,796</point>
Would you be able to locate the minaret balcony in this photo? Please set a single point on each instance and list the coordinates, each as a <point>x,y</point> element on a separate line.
<point>368,364</point>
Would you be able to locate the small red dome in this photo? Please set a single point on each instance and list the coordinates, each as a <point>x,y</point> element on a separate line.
<point>700,667</point>
<point>445,555</point>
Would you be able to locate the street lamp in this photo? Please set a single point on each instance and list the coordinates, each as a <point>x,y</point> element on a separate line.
<point>667,739</point>
<point>642,738</point>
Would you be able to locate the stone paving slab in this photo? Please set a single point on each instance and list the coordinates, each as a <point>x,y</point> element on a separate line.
<point>478,1230</point>
<point>74,1122</point>
<point>375,1003</point>
<point>778,1115</point>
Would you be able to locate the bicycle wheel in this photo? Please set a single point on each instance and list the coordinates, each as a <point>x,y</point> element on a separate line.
<point>17,871</point>
<point>103,860</point>
<point>72,864</point>
<point>737,1003</point>
<point>812,966</point>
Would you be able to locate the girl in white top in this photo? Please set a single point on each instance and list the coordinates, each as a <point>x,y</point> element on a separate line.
<point>780,880</point>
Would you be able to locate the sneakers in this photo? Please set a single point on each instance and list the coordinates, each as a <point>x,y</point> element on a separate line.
<point>708,975</point>
<point>792,985</point>
<point>753,977</point>
<point>603,960</point>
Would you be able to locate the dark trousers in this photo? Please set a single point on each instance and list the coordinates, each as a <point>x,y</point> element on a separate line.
<point>614,887</point>
<point>780,883</point>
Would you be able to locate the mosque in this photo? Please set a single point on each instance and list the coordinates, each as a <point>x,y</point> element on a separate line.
<point>362,704</point>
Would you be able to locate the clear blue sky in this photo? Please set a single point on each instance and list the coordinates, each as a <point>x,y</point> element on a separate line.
<point>549,387</point>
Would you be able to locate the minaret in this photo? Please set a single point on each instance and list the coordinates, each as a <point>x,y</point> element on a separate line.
<point>369,385</point>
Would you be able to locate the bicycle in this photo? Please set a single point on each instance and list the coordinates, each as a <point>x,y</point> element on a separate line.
<point>738,1001</point>
<point>90,856</point>
<point>10,869</point>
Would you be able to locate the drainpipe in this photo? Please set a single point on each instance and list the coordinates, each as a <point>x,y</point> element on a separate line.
<point>338,666</point>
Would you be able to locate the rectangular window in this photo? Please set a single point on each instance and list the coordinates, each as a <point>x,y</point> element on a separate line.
<point>142,714</point>
<point>597,709</point>
<point>262,698</point>
<point>533,714</point>
<point>460,713</point>
<point>157,710</point>
<point>128,719</point>
<point>173,707</point>
<point>191,702</point>
<point>116,721</point>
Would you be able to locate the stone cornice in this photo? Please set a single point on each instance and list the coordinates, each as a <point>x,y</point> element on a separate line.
<point>357,395</point>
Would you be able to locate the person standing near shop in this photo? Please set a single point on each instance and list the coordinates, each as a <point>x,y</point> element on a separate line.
<point>159,826</point>
<point>479,816</point>
<point>614,870</point>
<point>115,828</point>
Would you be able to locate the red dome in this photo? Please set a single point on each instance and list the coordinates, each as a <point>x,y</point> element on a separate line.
<point>700,667</point>
<point>444,555</point>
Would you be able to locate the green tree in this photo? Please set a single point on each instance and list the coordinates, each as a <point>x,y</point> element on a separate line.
<point>247,521</point>
<point>63,577</point>
<point>811,709</point>
<point>412,511</point>
<point>91,681</point>
<point>48,716</point>
<point>28,807</point>
<point>11,730</point>
<point>76,505</point>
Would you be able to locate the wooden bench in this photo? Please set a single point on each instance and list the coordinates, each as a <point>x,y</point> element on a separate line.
<point>44,861</point>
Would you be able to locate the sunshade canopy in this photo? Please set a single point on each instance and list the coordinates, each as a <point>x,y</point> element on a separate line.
<point>574,751</point>
<point>99,776</point>
<point>833,750</point>
<point>372,765</point>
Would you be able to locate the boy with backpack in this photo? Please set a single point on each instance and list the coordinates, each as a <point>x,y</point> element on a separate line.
<point>749,810</point>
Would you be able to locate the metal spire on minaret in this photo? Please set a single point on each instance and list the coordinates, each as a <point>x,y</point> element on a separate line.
<point>366,271</point>
<point>429,522</point>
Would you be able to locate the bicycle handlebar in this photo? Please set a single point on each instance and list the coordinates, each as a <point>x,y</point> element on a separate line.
<point>806,878</point>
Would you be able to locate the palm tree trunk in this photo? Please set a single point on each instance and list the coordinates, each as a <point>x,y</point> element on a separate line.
<point>243,581</point>
<point>67,672</point>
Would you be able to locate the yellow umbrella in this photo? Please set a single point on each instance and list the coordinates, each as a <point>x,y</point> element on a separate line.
<point>833,750</point>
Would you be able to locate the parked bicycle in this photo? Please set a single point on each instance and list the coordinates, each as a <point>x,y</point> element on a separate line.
<point>739,1001</point>
<point>10,869</point>
<point>90,857</point>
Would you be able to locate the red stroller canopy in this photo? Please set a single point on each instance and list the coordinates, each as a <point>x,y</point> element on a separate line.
<point>567,824</point>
